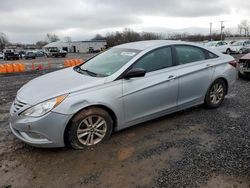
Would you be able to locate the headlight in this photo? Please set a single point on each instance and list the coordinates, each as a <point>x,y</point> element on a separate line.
<point>44,107</point>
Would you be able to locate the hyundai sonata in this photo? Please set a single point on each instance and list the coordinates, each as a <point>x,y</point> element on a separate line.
<point>126,85</point>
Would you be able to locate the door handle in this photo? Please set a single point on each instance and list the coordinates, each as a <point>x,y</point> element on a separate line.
<point>171,77</point>
<point>208,65</point>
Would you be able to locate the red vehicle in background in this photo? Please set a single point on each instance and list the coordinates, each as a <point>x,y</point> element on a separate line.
<point>244,66</point>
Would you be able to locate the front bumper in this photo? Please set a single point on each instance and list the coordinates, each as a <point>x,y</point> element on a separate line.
<point>46,131</point>
<point>244,67</point>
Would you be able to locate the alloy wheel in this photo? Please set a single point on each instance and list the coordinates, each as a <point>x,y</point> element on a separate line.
<point>91,130</point>
<point>216,93</point>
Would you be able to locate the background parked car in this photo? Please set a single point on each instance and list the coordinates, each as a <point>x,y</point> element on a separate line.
<point>246,48</point>
<point>244,66</point>
<point>30,55</point>
<point>55,52</point>
<point>22,54</point>
<point>10,54</point>
<point>221,46</point>
<point>39,53</point>
<point>1,55</point>
<point>238,47</point>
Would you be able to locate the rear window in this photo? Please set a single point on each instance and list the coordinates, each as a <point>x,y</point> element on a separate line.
<point>188,54</point>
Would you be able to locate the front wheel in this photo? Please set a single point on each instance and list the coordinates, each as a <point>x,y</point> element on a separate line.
<point>215,94</point>
<point>228,51</point>
<point>89,127</point>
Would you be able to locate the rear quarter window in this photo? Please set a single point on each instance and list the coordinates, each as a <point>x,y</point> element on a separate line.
<point>188,54</point>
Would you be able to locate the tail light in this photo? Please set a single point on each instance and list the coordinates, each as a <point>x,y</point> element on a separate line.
<point>233,63</point>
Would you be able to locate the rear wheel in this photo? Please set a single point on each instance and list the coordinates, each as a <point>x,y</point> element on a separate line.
<point>228,51</point>
<point>215,94</point>
<point>89,127</point>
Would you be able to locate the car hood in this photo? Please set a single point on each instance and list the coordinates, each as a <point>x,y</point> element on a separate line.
<point>235,47</point>
<point>54,84</point>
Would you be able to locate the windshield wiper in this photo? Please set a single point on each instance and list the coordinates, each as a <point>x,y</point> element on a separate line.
<point>80,70</point>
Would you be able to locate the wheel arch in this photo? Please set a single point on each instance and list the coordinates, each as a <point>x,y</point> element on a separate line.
<point>225,81</point>
<point>220,78</point>
<point>109,110</point>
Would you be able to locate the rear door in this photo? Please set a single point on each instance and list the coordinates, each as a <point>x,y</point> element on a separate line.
<point>195,71</point>
<point>154,93</point>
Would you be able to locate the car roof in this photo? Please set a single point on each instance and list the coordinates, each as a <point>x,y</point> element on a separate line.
<point>142,45</point>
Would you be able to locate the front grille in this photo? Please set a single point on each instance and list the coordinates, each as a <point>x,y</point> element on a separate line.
<point>18,105</point>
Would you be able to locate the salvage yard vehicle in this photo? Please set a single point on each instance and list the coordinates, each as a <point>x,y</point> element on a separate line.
<point>238,47</point>
<point>221,46</point>
<point>1,55</point>
<point>39,53</point>
<point>244,66</point>
<point>123,86</point>
<point>10,54</point>
<point>55,52</point>
<point>30,55</point>
<point>246,48</point>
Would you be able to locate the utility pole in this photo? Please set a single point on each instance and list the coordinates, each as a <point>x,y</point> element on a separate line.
<point>211,24</point>
<point>221,30</point>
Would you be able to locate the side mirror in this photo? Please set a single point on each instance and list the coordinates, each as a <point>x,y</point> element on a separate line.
<point>135,73</point>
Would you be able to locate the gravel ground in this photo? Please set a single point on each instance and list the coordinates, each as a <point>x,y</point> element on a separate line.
<point>197,147</point>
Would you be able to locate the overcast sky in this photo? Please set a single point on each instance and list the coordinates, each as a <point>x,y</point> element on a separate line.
<point>30,20</point>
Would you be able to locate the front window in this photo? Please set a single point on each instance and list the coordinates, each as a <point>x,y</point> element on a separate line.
<point>107,63</point>
<point>155,60</point>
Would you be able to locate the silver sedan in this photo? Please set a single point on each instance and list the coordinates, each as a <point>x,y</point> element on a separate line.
<point>126,85</point>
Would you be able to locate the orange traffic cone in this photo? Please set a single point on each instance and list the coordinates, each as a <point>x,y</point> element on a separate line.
<point>33,67</point>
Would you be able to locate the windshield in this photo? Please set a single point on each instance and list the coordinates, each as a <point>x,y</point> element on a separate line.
<point>211,44</point>
<point>107,63</point>
<point>237,44</point>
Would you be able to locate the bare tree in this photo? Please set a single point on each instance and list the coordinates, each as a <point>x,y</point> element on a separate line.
<point>244,26</point>
<point>41,44</point>
<point>67,39</point>
<point>98,37</point>
<point>3,40</point>
<point>150,36</point>
<point>228,32</point>
<point>52,37</point>
<point>240,28</point>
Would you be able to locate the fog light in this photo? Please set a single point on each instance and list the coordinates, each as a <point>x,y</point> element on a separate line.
<point>33,137</point>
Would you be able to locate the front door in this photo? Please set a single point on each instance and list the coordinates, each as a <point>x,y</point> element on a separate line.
<point>156,92</point>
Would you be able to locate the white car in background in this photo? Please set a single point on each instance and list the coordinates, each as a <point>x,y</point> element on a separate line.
<point>239,46</point>
<point>221,46</point>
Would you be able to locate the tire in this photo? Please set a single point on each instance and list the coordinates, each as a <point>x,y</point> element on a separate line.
<point>82,133</point>
<point>241,75</point>
<point>228,51</point>
<point>215,94</point>
<point>240,52</point>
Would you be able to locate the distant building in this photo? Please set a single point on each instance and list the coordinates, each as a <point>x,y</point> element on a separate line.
<point>78,46</point>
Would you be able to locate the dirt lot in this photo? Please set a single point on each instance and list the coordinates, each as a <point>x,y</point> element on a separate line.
<point>197,147</point>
